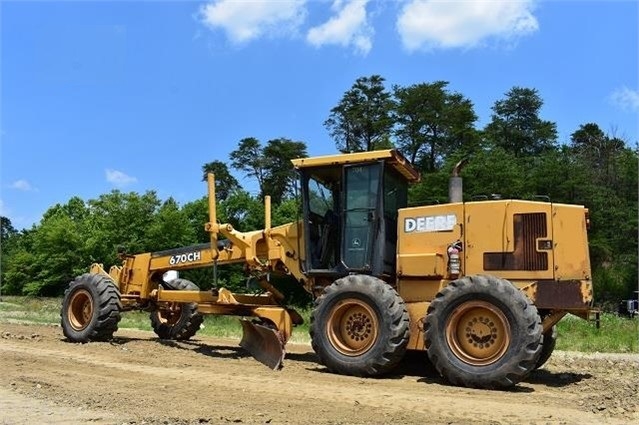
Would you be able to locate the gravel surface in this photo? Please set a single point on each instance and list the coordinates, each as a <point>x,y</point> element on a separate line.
<point>138,379</point>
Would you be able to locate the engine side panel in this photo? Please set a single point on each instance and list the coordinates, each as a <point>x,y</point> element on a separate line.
<point>511,239</point>
<point>570,237</point>
<point>424,234</point>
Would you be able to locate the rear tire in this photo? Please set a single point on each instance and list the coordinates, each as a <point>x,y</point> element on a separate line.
<point>359,326</point>
<point>90,309</point>
<point>548,344</point>
<point>178,321</point>
<point>482,332</point>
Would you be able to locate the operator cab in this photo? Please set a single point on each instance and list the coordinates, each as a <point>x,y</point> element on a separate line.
<point>349,206</point>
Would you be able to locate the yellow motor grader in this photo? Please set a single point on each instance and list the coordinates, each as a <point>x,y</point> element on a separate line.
<point>478,285</point>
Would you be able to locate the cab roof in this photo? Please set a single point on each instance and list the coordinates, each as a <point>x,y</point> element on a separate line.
<point>390,156</point>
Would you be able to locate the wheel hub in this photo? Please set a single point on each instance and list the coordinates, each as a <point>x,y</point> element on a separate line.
<point>481,332</point>
<point>170,315</point>
<point>352,327</point>
<point>80,310</point>
<point>478,333</point>
<point>358,326</point>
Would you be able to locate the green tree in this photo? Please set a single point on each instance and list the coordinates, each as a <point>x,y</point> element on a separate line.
<point>47,256</point>
<point>587,135</point>
<point>8,240</point>
<point>7,231</point>
<point>120,221</point>
<point>599,150</point>
<point>516,126</point>
<point>557,174</point>
<point>248,157</point>
<point>196,214</point>
<point>169,228</point>
<point>288,211</point>
<point>270,165</point>
<point>59,255</point>
<point>225,183</point>
<point>493,172</point>
<point>433,122</point>
<point>280,177</point>
<point>243,211</point>
<point>362,120</point>
<point>18,270</point>
<point>610,185</point>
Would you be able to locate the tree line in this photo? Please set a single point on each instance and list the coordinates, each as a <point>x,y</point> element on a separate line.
<point>516,155</point>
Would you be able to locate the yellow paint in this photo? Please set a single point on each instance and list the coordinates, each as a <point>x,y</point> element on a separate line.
<point>424,236</point>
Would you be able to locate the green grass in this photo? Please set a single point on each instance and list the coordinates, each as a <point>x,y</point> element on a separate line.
<point>30,310</point>
<point>615,335</point>
<point>47,311</point>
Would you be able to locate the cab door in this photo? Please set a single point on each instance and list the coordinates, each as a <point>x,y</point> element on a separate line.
<point>362,185</point>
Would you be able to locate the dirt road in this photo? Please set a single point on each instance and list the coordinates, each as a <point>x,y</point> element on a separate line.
<point>137,379</point>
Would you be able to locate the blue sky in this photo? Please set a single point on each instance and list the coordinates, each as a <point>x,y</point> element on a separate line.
<point>134,95</point>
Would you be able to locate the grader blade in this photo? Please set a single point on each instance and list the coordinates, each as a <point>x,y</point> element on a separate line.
<point>263,343</point>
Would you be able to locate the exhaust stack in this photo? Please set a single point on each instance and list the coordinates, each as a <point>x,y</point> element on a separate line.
<point>455,184</point>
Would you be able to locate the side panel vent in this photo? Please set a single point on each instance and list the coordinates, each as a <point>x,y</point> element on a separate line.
<point>527,228</point>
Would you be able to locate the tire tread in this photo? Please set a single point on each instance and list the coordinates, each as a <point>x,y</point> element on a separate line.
<point>190,320</point>
<point>517,366</point>
<point>387,299</point>
<point>106,300</point>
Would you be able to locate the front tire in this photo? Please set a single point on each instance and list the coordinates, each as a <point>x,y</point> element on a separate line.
<point>359,326</point>
<point>90,309</point>
<point>177,321</point>
<point>482,332</point>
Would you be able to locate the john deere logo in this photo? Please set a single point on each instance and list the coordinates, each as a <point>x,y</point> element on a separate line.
<point>434,223</point>
<point>356,243</point>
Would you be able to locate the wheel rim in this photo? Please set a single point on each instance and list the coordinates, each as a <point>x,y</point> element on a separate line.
<point>352,327</point>
<point>478,333</point>
<point>80,310</point>
<point>170,316</point>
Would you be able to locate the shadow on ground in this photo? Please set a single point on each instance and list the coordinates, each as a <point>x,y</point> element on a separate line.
<point>415,364</point>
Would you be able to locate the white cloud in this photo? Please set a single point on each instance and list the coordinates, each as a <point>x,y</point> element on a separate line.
<point>118,178</point>
<point>626,99</point>
<point>21,184</point>
<point>4,211</point>
<point>428,24</point>
<point>244,21</point>
<point>348,27</point>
